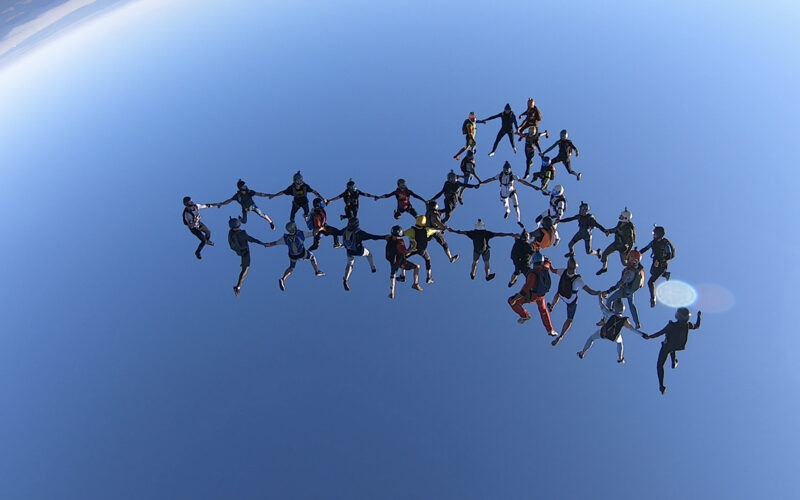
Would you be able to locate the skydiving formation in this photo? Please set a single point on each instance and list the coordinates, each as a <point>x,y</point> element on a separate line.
<point>407,249</point>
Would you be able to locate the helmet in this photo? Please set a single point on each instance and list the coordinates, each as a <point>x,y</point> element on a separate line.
<point>234,223</point>
<point>187,200</point>
<point>545,161</point>
<point>480,225</point>
<point>351,185</point>
<point>572,264</point>
<point>240,184</point>
<point>537,258</point>
<point>471,115</point>
<point>634,258</point>
<point>564,134</point>
<point>558,190</point>
<point>451,176</point>
<point>508,107</point>
<point>618,307</point>
<point>531,102</point>
<point>547,223</point>
<point>422,220</point>
<point>433,205</point>
<point>352,223</point>
<point>658,232</point>
<point>683,314</point>
<point>298,178</point>
<point>401,183</point>
<point>506,167</point>
<point>584,208</point>
<point>397,230</point>
<point>319,203</point>
<point>291,227</point>
<point>625,216</point>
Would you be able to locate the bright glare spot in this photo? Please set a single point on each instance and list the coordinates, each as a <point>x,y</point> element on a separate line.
<point>676,294</point>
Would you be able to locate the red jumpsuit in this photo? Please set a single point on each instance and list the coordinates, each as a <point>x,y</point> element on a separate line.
<point>518,301</point>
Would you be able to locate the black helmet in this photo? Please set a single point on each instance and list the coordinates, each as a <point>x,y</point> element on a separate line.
<point>572,264</point>
<point>506,167</point>
<point>470,154</point>
<point>683,314</point>
<point>240,184</point>
<point>547,223</point>
<point>234,223</point>
<point>508,107</point>
<point>297,177</point>
<point>451,176</point>
<point>584,208</point>
<point>658,232</point>
<point>401,183</point>
<point>351,184</point>
<point>524,236</point>
<point>353,223</point>
<point>397,230</point>
<point>187,200</point>
<point>318,203</point>
<point>291,227</point>
<point>618,307</point>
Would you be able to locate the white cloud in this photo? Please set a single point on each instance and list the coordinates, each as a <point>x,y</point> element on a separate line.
<point>24,31</point>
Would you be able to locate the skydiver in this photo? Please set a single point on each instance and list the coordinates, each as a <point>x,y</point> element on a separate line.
<point>506,179</point>
<point>537,284</point>
<point>531,145</point>
<point>468,169</point>
<point>298,190</point>
<point>470,129</point>
<point>546,173</point>
<point>624,240</point>
<point>191,218</point>
<point>350,196</point>
<point>418,236</point>
<point>544,236</point>
<point>611,329</point>
<point>295,242</point>
<point>318,223</point>
<point>569,284</point>
<point>353,238</point>
<point>244,196</point>
<point>586,224</point>
<point>397,255</point>
<point>631,280</point>
<point>450,190</point>
<point>238,240</point>
<point>662,252</point>
<point>565,150</point>
<point>403,195</point>
<point>521,254</point>
<point>508,125</point>
<point>556,207</point>
<point>480,247</point>
<point>433,217</point>
<point>532,117</point>
<point>677,334</point>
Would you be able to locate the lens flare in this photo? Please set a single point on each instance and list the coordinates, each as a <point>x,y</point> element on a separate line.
<point>676,294</point>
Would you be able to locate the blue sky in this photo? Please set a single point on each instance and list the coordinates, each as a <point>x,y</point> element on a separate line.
<point>130,370</point>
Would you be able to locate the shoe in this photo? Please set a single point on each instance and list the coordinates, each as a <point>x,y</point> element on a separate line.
<point>374,270</point>
<point>401,279</point>
<point>391,295</point>
<point>663,389</point>
<point>416,287</point>
<point>515,150</point>
<point>342,217</point>
<point>460,200</point>
<point>506,215</point>
<point>653,302</point>
<point>210,243</point>
<point>197,254</point>
<point>546,134</point>
<point>453,258</point>
<point>429,280</point>
<point>346,285</point>
<point>282,284</point>
<point>599,253</point>
<point>338,245</point>
<point>553,333</point>
<point>456,158</point>
<point>621,361</point>
<point>580,354</point>
<point>522,320</point>
<point>674,363</point>
<point>272,225</point>
<point>600,323</point>
<point>319,273</point>
<point>579,175</point>
<point>638,326</point>
<point>236,290</point>
<point>490,277</point>
<point>556,340</point>
<point>512,281</point>
<point>569,254</point>
<point>598,273</point>
<point>491,154</point>
<point>472,276</point>
<point>665,274</point>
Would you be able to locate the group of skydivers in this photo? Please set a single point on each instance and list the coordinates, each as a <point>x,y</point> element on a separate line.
<point>525,252</point>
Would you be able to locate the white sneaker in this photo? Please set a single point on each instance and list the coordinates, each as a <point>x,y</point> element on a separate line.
<point>553,333</point>
<point>522,320</point>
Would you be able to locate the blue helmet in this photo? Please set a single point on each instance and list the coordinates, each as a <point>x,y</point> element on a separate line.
<point>234,223</point>
<point>538,258</point>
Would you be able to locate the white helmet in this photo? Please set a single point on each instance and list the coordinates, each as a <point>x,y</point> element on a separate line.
<point>625,216</point>
<point>558,190</point>
<point>480,225</point>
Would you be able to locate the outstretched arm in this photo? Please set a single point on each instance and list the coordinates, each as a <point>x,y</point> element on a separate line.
<point>415,195</point>
<point>658,333</point>
<point>548,149</point>
<point>387,195</point>
<point>696,325</point>
<point>459,231</point>
<point>222,203</point>
<point>490,118</point>
<point>437,195</point>
<point>487,181</point>
<point>523,181</point>
<point>570,219</point>
<point>629,326</point>
<point>335,198</point>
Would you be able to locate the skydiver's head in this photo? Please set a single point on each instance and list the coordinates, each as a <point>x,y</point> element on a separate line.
<point>318,203</point>
<point>451,176</point>
<point>584,208</point>
<point>658,232</point>
<point>572,265</point>
<point>351,185</point>
<point>297,178</point>
<point>353,223</point>
<point>401,183</point>
<point>480,225</point>
<point>234,223</point>
<point>291,227</point>
<point>397,230</point>
<point>507,109</point>
<point>564,134</point>
<point>241,185</point>
<point>472,116</point>
<point>506,167</point>
<point>187,201</point>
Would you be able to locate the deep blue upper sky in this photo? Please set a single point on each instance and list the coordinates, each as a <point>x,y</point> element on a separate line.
<point>129,369</point>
